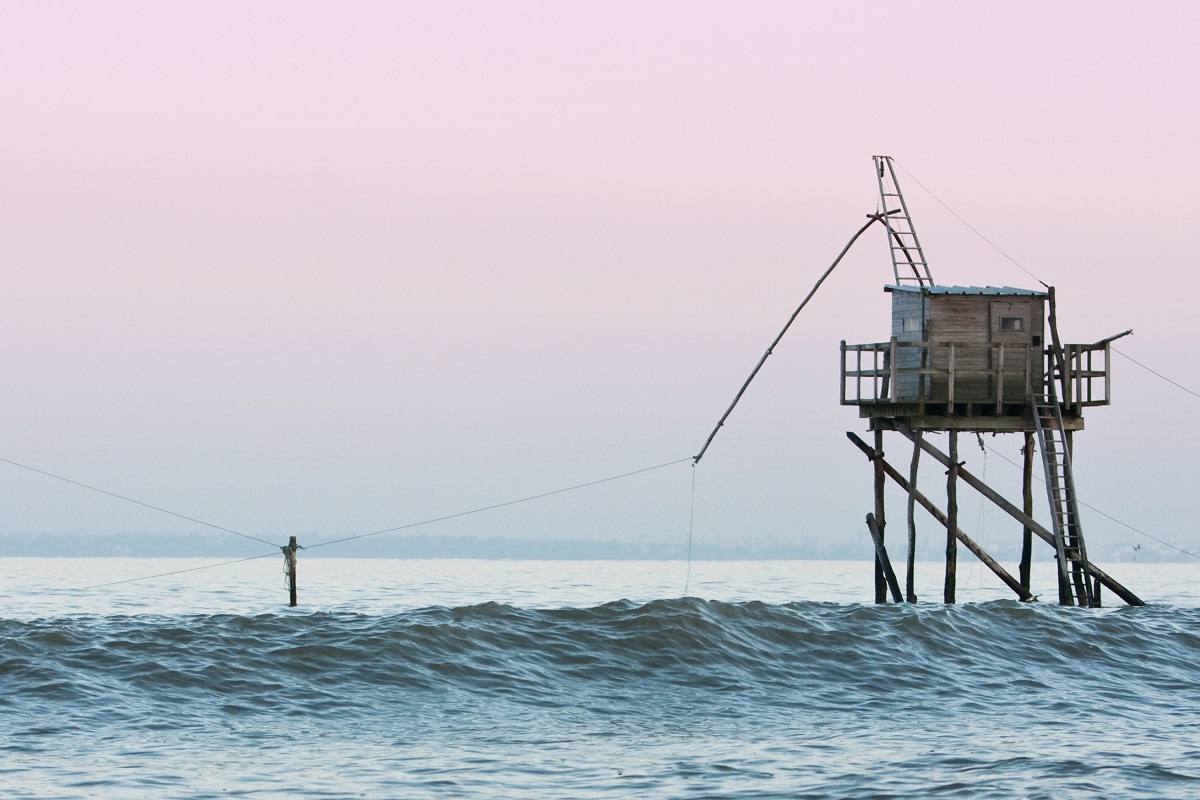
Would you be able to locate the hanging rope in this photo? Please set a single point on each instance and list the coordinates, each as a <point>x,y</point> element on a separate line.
<point>873,218</point>
<point>979,519</point>
<point>287,569</point>
<point>687,581</point>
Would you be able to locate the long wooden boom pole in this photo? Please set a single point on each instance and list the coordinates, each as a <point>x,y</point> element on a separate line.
<point>873,219</point>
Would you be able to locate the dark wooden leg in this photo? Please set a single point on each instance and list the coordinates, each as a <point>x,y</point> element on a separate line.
<point>881,587</point>
<point>951,519</point>
<point>910,591</point>
<point>289,553</point>
<point>1027,497</point>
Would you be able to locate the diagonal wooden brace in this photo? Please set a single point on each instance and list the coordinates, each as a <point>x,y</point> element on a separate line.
<point>937,513</point>
<point>881,554</point>
<point>1016,513</point>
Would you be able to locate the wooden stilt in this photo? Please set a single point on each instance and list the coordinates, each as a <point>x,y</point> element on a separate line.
<point>1014,512</point>
<point>1027,502</point>
<point>937,513</point>
<point>880,518</point>
<point>289,556</point>
<point>910,593</point>
<point>951,520</point>
<point>882,557</point>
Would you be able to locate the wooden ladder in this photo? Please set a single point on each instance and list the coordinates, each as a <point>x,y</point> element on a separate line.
<point>1074,583</point>
<point>907,255</point>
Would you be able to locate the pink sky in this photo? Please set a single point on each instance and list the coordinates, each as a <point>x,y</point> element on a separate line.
<point>317,267</point>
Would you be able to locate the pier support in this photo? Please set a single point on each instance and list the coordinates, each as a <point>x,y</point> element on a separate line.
<point>951,520</point>
<point>881,587</point>
<point>937,513</point>
<point>991,494</point>
<point>1027,504</point>
<point>910,568</point>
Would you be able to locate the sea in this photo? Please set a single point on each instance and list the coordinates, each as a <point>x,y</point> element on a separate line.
<point>587,679</point>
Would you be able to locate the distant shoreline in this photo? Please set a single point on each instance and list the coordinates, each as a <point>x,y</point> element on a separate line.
<point>812,548</point>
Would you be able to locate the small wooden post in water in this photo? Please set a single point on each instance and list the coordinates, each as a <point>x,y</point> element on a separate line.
<point>289,558</point>
<point>951,519</point>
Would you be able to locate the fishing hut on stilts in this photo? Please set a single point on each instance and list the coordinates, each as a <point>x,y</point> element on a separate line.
<point>970,359</point>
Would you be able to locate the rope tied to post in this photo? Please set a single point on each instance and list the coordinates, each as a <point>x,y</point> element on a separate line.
<point>289,569</point>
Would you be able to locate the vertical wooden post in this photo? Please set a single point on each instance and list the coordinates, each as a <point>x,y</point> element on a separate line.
<point>950,388</point>
<point>289,557</point>
<point>843,387</point>
<point>909,592</point>
<point>881,587</point>
<point>951,519</point>
<point>1027,497</point>
<point>894,363</point>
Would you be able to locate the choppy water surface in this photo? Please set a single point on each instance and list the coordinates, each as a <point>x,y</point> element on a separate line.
<point>533,693</point>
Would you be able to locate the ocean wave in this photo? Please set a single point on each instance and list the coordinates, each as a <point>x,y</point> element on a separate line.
<point>779,657</point>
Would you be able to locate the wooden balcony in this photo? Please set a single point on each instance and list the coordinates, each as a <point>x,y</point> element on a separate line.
<point>970,385</point>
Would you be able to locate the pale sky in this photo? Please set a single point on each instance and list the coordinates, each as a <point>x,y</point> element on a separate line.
<point>322,268</point>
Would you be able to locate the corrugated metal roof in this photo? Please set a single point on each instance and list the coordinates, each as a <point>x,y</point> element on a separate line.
<point>1008,291</point>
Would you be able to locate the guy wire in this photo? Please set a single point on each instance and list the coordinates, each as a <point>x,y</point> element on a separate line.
<point>497,505</point>
<point>136,502</point>
<point>181,571</point>
<point>1101,513</point>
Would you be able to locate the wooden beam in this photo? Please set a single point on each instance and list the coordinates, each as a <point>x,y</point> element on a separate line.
<point>937,513</point>
<point>882,557</point>
<point>914,418</point>
<point>1026,520</point>
<point>909,577</point>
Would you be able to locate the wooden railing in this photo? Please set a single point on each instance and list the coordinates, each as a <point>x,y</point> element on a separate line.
<point>977,373</point>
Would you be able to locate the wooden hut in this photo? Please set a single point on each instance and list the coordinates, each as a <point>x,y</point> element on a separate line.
<point>981,359</point>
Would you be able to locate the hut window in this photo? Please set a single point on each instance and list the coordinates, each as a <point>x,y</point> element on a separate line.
<point>1011,324</point>
<point>912,324</point>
